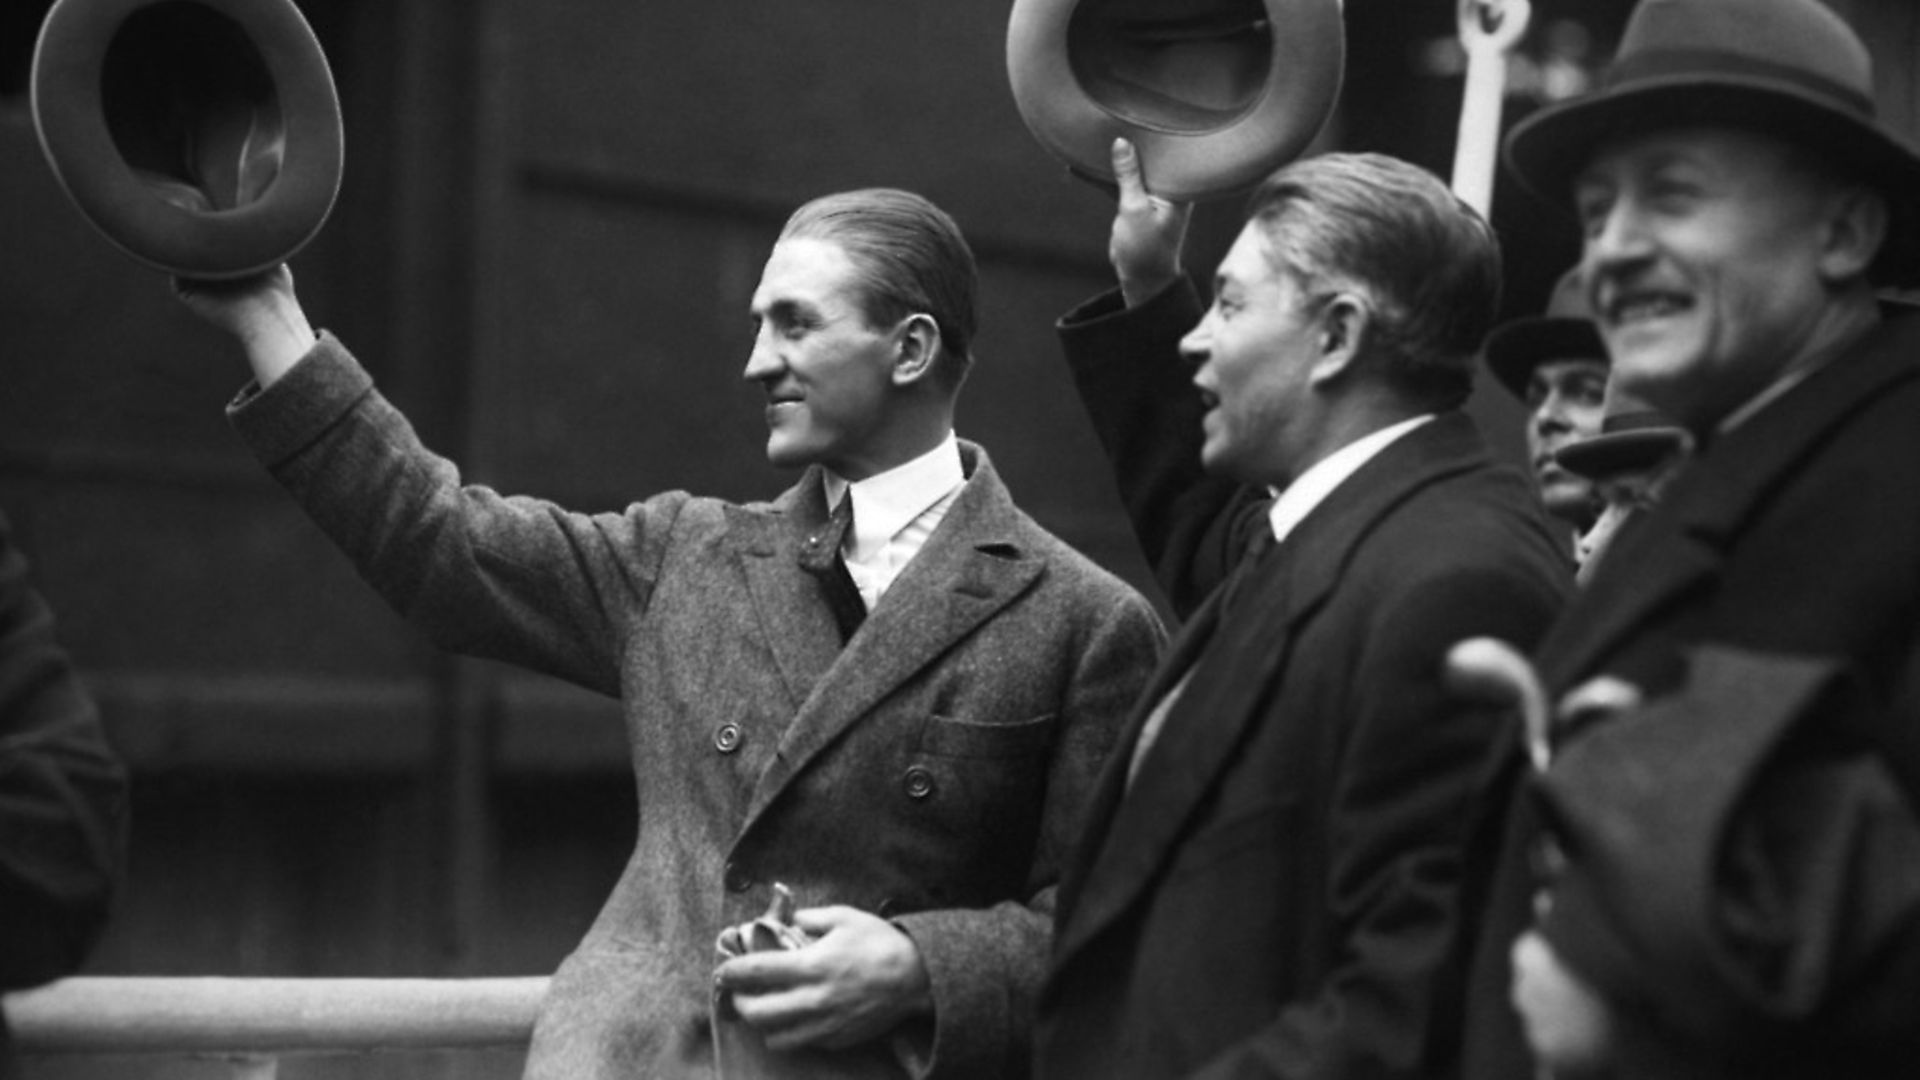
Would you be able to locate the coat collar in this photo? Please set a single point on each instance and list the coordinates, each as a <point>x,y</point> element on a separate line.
<point>980,559</point>
<point>1711,502</point>
<point>1236,677</point>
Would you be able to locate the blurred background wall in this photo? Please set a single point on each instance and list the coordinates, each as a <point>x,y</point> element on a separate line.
<point>552,219</point>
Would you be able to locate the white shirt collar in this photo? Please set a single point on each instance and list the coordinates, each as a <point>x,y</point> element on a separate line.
<point>1291,507</point>
<point>885,503</point>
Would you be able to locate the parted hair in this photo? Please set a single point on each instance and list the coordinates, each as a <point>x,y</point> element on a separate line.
<point>910,258</point>
<point>1428,264</point>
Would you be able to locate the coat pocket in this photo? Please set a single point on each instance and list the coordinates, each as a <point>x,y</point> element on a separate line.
<point>952,737</point>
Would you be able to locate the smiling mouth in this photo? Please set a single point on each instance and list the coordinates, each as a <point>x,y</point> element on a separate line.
<point>1636,308</point>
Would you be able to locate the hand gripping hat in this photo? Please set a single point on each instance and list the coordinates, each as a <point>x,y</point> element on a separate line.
<point>1215,94</point>
<point>1565,332</point>
<point>200,136</point>
<point>1789,68</point>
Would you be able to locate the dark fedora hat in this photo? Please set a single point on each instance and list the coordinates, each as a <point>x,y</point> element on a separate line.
<point>1788,68</point>
<point>1565,332</point>
<point>1214,93</point>
<point>1634,437</point>
<point>200,136</point>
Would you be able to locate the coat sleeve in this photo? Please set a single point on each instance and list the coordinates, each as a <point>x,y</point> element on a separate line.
<point>62,795</point>
<point>986,965</point>
<point>1140,396</point>
<point>509,578</point>
<point>1412,765</point>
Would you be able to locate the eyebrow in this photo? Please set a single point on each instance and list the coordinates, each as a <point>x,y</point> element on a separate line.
<point>785,310</point>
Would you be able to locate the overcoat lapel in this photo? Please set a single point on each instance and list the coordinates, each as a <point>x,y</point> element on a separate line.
<point>1235,680</point>
<point>1681,546</point>
<point>794,616</point>
<point>972,566</point>
<point>1184,651</point>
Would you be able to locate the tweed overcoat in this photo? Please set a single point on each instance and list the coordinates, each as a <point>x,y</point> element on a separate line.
<point>935,770</point>
<point>1797,532</point>
<point>1276,893</point>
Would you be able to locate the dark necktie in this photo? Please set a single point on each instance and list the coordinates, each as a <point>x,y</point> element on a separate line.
<point>843,596</point>
<point>1234,590</point>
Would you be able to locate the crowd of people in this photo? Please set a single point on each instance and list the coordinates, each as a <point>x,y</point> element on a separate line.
<point>925,792</point>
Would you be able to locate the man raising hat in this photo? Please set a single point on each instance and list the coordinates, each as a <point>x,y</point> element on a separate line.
<point>1740,204</point>
<point>1270,881</point>
<point>882,696</point>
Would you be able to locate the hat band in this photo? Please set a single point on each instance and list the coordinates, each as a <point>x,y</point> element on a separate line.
<point>1706,63</point>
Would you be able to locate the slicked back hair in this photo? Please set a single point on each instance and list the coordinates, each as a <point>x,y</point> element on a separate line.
<point>1391,231</point>
<point>910,258</point>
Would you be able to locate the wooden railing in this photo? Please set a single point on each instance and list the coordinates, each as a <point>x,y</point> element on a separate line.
<point>242,1027</point>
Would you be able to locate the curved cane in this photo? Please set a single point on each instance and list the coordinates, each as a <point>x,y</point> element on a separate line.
<point>1493,672</point>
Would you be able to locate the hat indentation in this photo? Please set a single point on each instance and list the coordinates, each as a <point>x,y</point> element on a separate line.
<point>191,107</point>
<point>1173,72</point>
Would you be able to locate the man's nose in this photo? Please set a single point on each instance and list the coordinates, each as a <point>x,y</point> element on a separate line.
<point>763,360</point>
<point>1619,238</point>
<point>1198,344</point>
<point>1551,415</point>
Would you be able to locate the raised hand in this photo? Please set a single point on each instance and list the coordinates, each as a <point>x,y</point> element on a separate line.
<point>1148,231</point>
<point>262,312</point>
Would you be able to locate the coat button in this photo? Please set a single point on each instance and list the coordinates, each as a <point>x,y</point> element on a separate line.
<point>919,782</point>
<point>726,738</point>
<point>737,878</point>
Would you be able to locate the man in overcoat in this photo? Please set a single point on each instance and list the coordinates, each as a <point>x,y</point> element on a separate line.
<point>899,720</point>
<point>1740,204</point>
<point>1270,884</point>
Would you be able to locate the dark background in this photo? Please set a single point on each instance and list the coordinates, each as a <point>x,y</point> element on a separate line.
<point>552,218</point>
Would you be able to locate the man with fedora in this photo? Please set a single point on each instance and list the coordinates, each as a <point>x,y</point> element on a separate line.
<point>1740,204</point>
<point>1270,883</point>
<point>1555,365</point>
<point>1629,461</point>
<point>884,694</point>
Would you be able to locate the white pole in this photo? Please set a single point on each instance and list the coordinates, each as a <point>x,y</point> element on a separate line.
<point>1488,30</point>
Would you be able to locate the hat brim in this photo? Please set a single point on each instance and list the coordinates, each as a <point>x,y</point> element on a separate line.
<point>1547,150</point>
<point>129,209</point>
<point>1615,453</point>
<point>1185,162</point>
<point>1515,348</point>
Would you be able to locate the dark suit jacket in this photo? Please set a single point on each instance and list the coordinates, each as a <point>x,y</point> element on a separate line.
<point>1276,894</point>
<point>935,770</point>
<point>1797,532</point>
<point>62,795</point>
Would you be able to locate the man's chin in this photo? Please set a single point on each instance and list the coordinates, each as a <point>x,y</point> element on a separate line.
<point>784,454</point>
<point>1570,500</point>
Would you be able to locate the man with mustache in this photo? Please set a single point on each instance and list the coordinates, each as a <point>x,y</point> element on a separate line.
<point>1741,204</point>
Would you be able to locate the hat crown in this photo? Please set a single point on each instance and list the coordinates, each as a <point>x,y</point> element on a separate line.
<point>1801,43</point>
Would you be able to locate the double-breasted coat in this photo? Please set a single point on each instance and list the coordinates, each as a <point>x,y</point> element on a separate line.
<point>934,770</point>
<point>1276,893</point>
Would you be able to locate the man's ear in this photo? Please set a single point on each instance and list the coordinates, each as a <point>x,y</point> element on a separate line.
<point>1345,321</point>
<point>917,350</point>
<point>1857,225</point>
